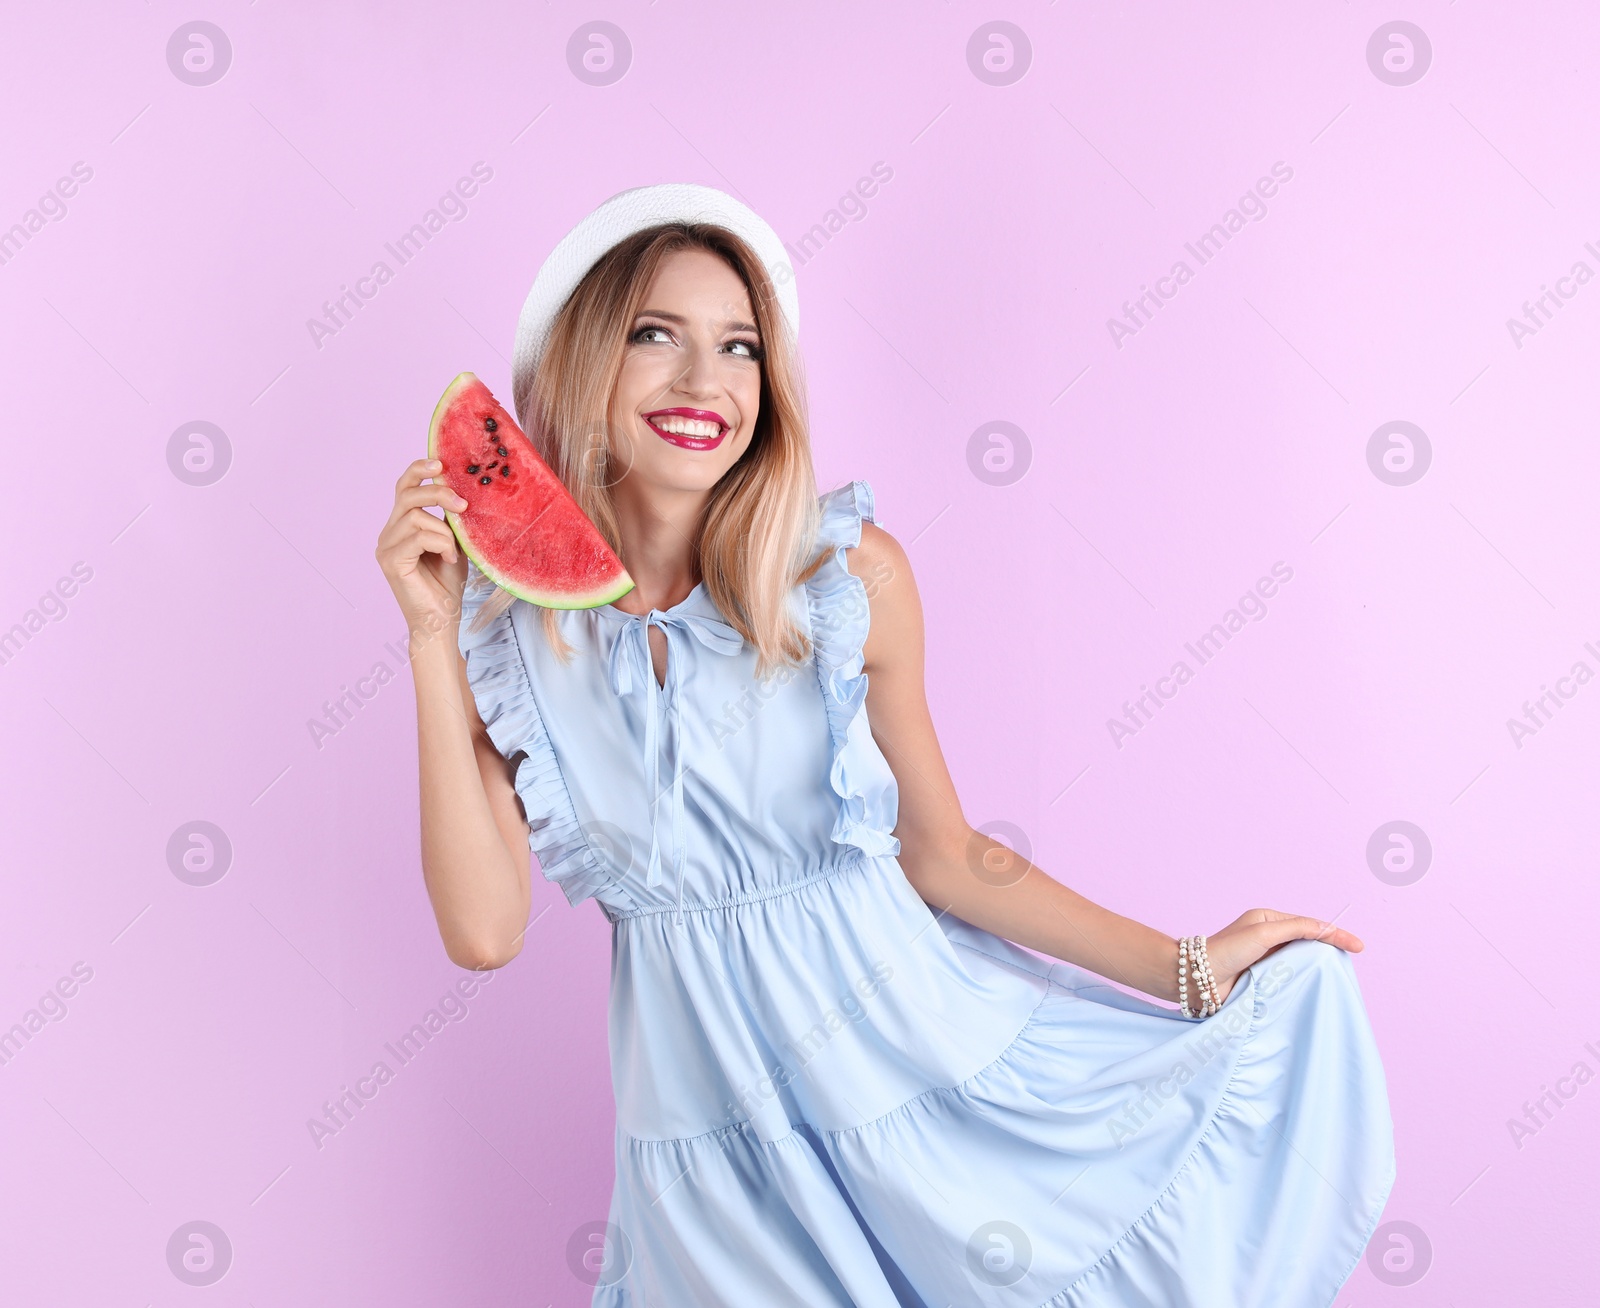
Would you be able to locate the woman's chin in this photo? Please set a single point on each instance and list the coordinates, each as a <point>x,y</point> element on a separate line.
<point>679,476</point>
<point>673,468</point>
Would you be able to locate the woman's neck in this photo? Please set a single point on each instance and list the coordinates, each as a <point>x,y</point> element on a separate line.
<point>659,530</point>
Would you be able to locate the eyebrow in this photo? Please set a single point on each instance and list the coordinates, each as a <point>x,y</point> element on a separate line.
<point>681,321</point>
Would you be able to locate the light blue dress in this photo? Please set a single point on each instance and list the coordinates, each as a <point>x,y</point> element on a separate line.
<point>829,1095</point>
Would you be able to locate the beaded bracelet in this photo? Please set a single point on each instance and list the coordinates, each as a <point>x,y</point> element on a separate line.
<point>1208,981</point>
<point>1194,947</point>
<point>1207,977</point>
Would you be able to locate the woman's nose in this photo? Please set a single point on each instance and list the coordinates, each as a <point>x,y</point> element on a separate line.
<point>700,372</point>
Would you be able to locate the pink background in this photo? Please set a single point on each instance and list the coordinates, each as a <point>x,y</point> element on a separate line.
<point>1165,476</point>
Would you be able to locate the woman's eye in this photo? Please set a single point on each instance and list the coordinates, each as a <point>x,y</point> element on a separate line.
<point>752,349</point>
<point>640,336</point>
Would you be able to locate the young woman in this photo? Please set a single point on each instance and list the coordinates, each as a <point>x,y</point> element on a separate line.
<point>839,1080</point>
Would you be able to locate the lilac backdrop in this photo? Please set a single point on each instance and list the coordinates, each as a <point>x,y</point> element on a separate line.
<point>225,587</point>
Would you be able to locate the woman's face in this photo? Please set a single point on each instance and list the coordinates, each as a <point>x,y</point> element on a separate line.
<point>686,401</point>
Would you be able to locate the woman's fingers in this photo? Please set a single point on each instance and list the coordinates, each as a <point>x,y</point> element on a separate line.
<point>403,521</point>
<point>436,495</point>
<point>410,492</point>
<point>1283,928</point>
<point>412,496</point>
<point>431,535</point>
<point>414,533</point>
<point>1261,932</point>
<point>416,471</point>
<point>418,551</point>
<point>436,492</point>
<point>1344,939</point>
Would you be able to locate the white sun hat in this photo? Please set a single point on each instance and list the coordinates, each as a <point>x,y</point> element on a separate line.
<point>618,218</point>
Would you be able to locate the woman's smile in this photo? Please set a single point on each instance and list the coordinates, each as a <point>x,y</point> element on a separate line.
<point>691,429</point>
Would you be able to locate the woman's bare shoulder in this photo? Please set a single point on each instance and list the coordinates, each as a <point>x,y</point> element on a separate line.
<point>895,627</point>
<point>878,558</point>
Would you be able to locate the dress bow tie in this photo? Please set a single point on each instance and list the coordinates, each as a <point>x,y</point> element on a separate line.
<point>630,660</point>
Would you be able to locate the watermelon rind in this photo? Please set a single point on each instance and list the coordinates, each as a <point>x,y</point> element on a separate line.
<point>544,599</point>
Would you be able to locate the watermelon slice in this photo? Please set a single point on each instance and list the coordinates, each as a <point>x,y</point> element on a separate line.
<point>521,526</point>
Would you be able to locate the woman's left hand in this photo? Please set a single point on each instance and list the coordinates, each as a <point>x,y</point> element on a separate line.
<point>1254,935</point>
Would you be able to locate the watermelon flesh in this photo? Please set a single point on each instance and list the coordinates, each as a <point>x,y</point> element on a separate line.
<point>521,526</point>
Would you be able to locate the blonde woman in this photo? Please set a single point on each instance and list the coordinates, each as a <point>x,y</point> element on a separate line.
<point>839,1080</point>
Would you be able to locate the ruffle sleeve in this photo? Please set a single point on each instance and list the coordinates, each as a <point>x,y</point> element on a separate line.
<point>840,617</point>
<point>498,675</point>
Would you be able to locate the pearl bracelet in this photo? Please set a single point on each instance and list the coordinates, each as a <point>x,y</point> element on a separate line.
<point>1194,948</point>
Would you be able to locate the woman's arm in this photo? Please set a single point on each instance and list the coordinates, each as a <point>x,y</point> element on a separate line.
<point>956,869</point>
<point>475,859</point>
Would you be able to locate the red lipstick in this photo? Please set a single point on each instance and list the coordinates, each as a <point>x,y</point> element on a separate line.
<point>682,439</point>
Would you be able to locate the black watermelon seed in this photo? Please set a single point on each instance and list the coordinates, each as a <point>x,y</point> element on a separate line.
<point>472,467</point>
<point>484,481</point>
<point>501,451</point>
<point>495,464</point>
<point>506,471</point>
<point>491,425</point>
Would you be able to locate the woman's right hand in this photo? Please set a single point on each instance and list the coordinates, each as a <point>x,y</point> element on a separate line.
<point>418,552</point>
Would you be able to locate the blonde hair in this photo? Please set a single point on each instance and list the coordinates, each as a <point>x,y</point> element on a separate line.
<point>759,529</point>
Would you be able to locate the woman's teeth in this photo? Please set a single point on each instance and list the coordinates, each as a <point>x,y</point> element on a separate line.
<point>688,427</point>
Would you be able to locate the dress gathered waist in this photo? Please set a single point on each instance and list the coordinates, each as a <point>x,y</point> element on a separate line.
<point>851,860</point>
